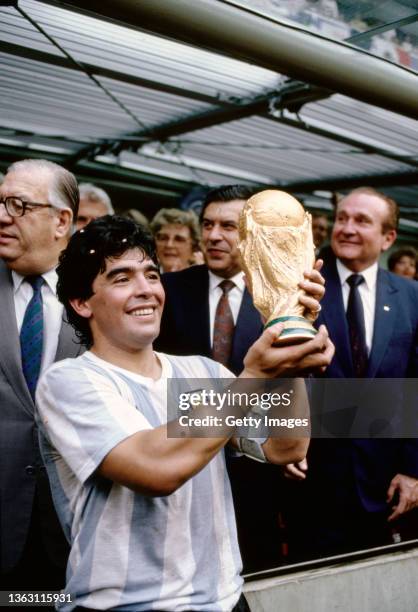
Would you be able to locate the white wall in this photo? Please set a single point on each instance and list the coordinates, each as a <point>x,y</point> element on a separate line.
<point>388,583</point>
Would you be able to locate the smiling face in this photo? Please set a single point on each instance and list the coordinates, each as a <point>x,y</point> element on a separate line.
<point>405,266</point>
<point>220,237</point>
<point>125,309</point>
<point>31,244</point>
<point>358,237</point>
<point>174,247</point>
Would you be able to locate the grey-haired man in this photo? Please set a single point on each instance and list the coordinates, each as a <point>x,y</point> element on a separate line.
<point>38,201</point>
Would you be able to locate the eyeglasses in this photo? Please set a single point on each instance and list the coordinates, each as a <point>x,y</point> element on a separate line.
<point>15,207</point>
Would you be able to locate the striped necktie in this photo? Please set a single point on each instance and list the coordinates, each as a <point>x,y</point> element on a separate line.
<point>31,335</point>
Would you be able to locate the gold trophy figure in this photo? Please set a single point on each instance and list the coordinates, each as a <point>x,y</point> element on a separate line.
<point>276,248</point>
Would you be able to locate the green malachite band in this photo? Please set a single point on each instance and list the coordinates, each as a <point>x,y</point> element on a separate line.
<point>284,319</point>
<point>297,330</point>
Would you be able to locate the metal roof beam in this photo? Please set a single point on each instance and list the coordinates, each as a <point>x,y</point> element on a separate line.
<point>334,184</point>
<point>10,154</point>
<point>115,174</point>
<point>291,96</point>
<point>281,47</point>
<point>164,131</point>
<point>362,36</point>
<point>270,106</point>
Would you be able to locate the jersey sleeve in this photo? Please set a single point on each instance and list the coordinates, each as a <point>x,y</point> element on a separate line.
<point>84,415</point>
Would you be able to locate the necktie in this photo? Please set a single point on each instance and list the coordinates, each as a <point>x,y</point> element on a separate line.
<point>31,335</point>
<point>356,327</point>
<point>223,331</point>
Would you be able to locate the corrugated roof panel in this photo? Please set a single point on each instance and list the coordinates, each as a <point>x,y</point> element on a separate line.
<point>50,100</point>
<point>304,155</point>
<point>364,120</point>
<point>160,107</point>
<point>55,100</point>
<point>307,166</point>
<point>109,45</point>
<point>58,146</point>
<point>179,170</point>
<point>191,163</point>
<point>265,132</point>
<point>18,30</point>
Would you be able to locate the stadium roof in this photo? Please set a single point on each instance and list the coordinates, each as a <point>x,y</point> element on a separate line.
<point>156,97</point>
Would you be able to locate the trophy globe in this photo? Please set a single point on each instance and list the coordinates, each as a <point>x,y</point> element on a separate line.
<point>276,247</point>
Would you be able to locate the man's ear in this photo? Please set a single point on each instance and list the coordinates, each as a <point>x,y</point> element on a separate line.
<point>82,307</point>
<point>64,219</point>
<point>390,238</point>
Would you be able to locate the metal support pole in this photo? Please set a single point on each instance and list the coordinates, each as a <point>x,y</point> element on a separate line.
<point>283,48</point>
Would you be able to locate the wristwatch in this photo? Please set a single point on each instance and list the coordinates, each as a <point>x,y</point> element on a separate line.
<point>252,447</point>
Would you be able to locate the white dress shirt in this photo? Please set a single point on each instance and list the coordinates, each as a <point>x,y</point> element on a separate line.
<point>367,291</point>
<point>52,310</point>
<point>235,297</point>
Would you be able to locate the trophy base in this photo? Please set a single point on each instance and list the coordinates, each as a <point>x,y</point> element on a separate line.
<point>296,330</point>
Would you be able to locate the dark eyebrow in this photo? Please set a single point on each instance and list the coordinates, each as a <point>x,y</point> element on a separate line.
<point>129,270</point>
<point>221,221</point>
<point>121,270</point>
<point>152,268</point>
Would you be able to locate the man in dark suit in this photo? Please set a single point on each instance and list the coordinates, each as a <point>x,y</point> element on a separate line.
<point>356,490</point>
<point>188,327</point>
<point>38,201</point>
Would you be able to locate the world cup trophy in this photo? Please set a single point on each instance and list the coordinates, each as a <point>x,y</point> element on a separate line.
<point>276,247</point>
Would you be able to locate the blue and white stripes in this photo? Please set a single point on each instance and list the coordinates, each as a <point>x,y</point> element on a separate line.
<point>130,551</point>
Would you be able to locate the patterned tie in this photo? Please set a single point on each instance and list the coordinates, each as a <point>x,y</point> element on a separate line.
<point>223,331</point>
<point>31,335</point>
<point>356,327</point>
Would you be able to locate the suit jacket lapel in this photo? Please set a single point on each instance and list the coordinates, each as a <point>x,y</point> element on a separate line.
<point>10,357</point>
<point>247,330</point>
<point>333,315</point>
<point>384,320</point>
<point>196,305</point>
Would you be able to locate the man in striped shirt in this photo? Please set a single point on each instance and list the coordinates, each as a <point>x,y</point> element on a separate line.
<point>149,517</point>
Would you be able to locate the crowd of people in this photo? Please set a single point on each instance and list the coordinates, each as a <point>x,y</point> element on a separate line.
<point>99,311</point>
<point>344,19</point>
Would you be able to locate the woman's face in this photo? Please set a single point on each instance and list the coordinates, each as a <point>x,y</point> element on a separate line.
<point>405,266</point>
<point>174,247</point>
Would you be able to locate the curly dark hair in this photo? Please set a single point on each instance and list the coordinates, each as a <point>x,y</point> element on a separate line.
<point>395,256</point>
<point>85,258</point>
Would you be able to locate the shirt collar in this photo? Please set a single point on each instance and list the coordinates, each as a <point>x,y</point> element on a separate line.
<point>369,274</point>
<point>49,277</point>
<point>215,280</point>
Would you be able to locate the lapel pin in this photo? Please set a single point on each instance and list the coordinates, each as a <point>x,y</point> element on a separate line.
<point>387,308</point>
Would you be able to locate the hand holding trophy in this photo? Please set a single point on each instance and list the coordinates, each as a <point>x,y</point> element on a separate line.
<point>276,248</point>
